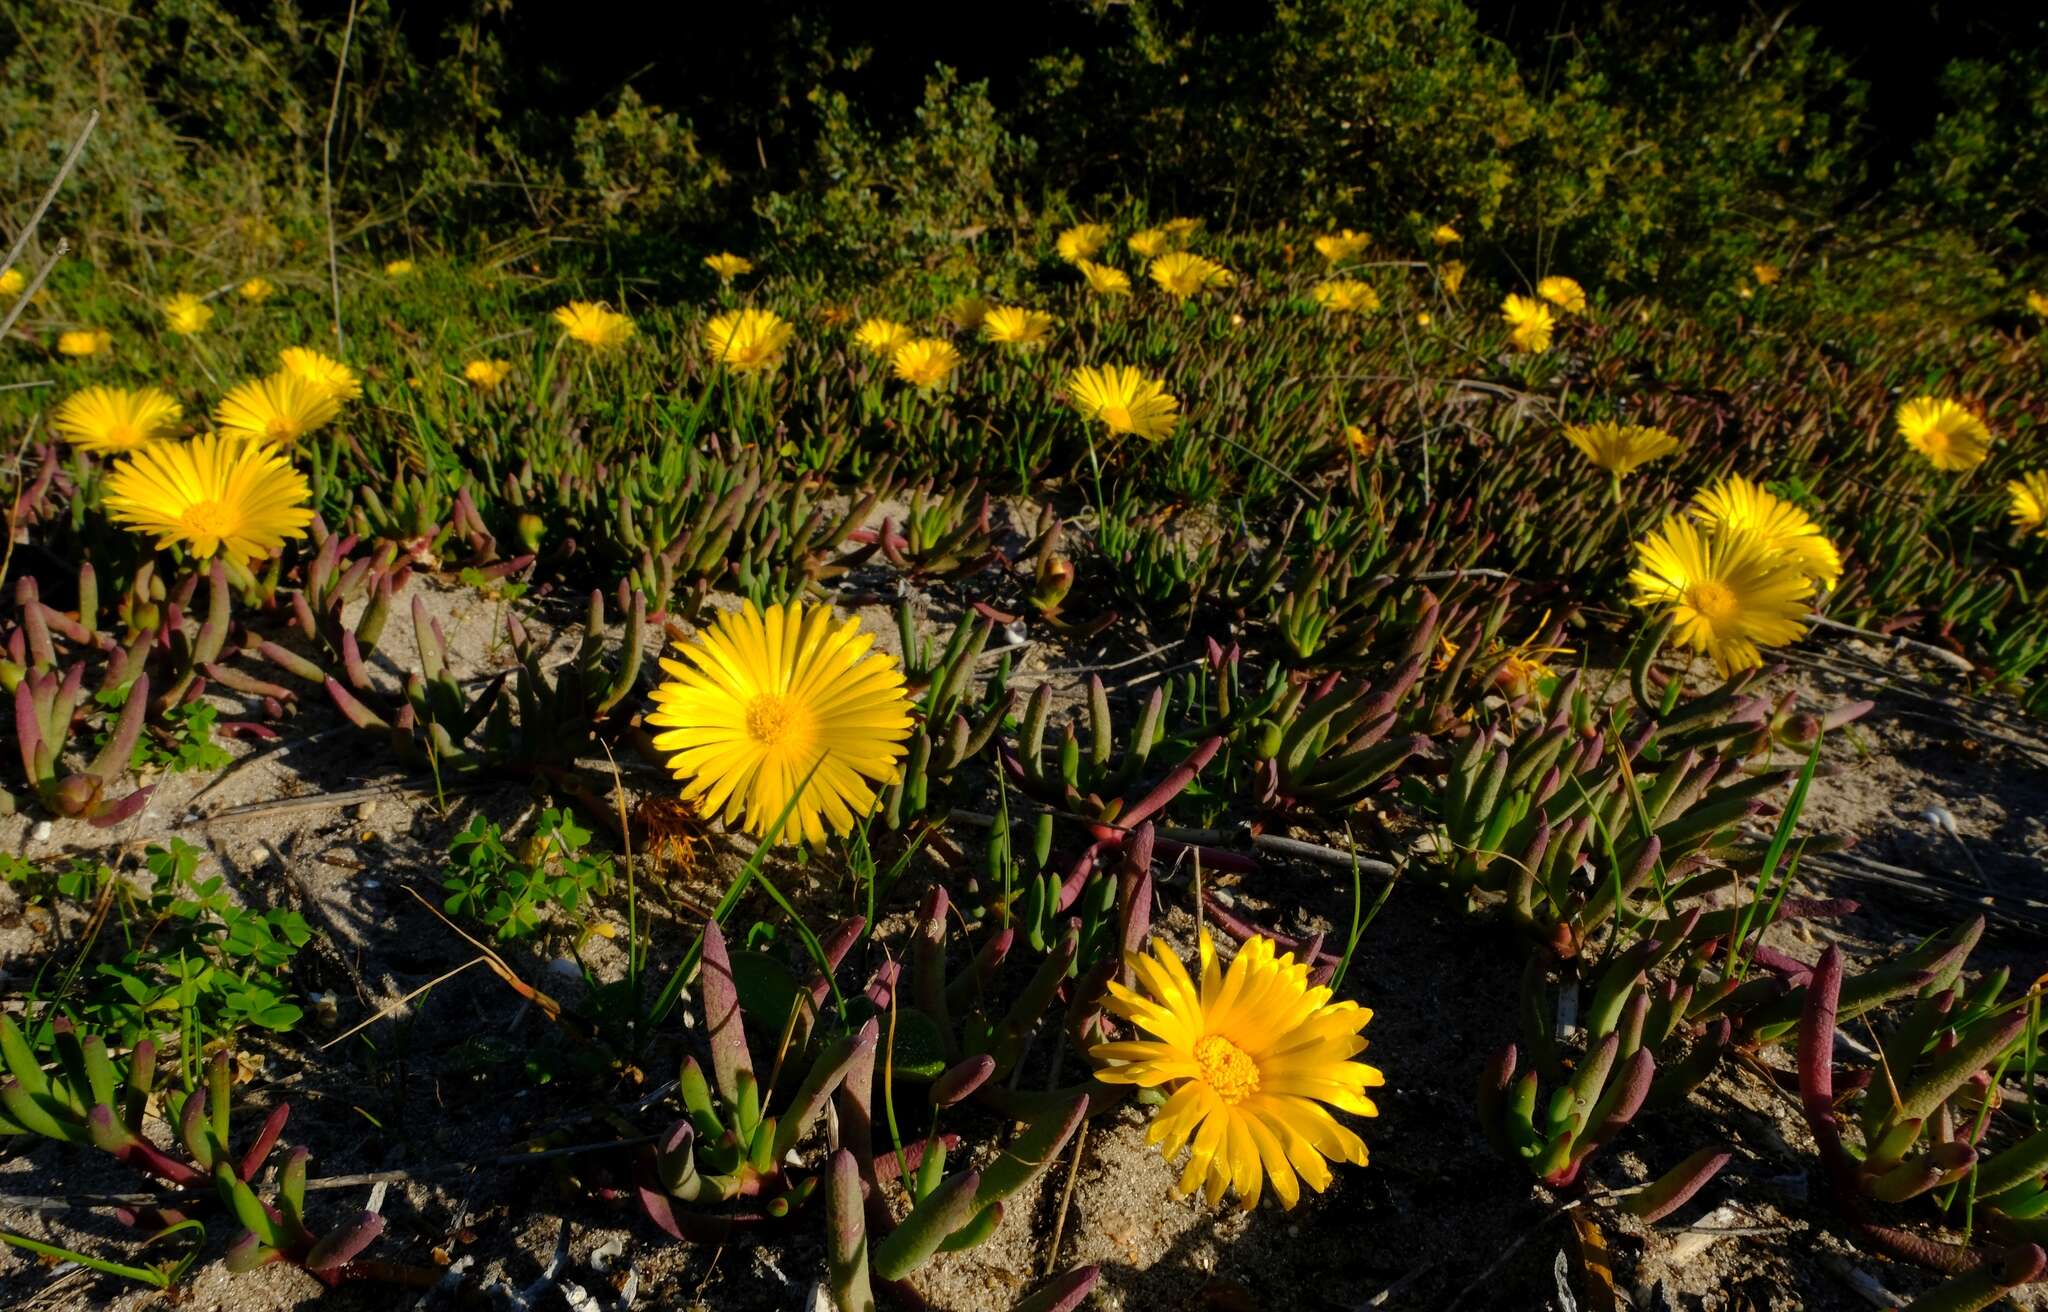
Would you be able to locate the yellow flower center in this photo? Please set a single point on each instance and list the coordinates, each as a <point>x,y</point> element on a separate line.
<point>122,435</point>
<point>278,428</point>
<point>768,719</point>
<point>208,519</point>
<point>1226,1068</point>
<point>1937,440</point>
<point>1716,602</point>
<point>1118,418</point>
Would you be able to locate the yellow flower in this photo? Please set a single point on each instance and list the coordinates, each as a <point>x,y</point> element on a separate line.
<point>2029,508</point>
<point>1104,280</point>
<point>1346,296</point>
<point>11,283</point>
<point>1530,320</point>
<point>1336,247</point>
<point>1181,274</point>
<point>787,709</point>
<point>256,290</point>
<point>1948,433</point>
<point>748,341</point>
<point>1564,293</point>
<point>1083,241</point>
<point>1011,325</point>
<point>881,337</point>
<point>281,408</point>
<point>84,341</point>
<point>1445,235</point>
<point>1766,275</point>
<point>1125,401</point>
<point>115,419</point>
<point>1362,443</point>
<point>1736,505</point>
<point>1452,276</point>
<point>1728,594</point>
<point>216,493</point>
<point>925,362</point>
<point>321,371</point>
<point>1150,242</point>
<point>185,314</point>
<point>487,374</point>
<point>1620,448</point>
<point>1256,1057</point>
<point>594,324</point>
<point>2037,301</point>
<point>398,268</point>
<point>1182,229</point>
<point>966,312</point>
<point>727,265</point>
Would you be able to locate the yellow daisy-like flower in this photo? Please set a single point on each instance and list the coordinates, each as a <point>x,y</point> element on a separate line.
<point>1257,1058</point>
<point>1445,235</point>
<point>1564,293</point>
<point>2037,301</point>
<point>1083,241</point>
<point>1452,275</point>
<point>728,265</point>
<point>925,362</point>
<point>1182,274</point>
<point>1346,296</point>
<point>1182,229</point>
<point>785,705</point>
<point>1125,400</point>
<point>2029,502</point>
<point>84,341</point>
<point>214,494</point>
<point>280,409</point>
<point>1104,280</point>
<point>321,371</point>
<point>256,290</point>
<point>1362,443</point>
<point>966,312</point>
<point>1620,448</point>
<point>11,283</point>
<point>185,314</point>
<point>116,419</point>
<point>1736,505</point>
<point>748,341</point>
<point>1948,433</point>
<point>1336,247</point>
<point>594,324</point>
<point>398,268</point>
<point>1766,275</point>
<point>1728,594</point>
<point>881,337</point>
<point>1530,321</point>
<point>1011,325</point>
<point>1150,242</point>
<point>486,374</point>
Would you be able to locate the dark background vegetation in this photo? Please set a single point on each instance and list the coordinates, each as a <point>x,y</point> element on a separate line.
<point>1671,144</point>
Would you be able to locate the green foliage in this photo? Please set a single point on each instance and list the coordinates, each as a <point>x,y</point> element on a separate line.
<point>514,893</point>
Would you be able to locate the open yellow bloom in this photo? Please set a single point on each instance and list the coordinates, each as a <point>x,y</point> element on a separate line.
<point>1011,325</point>
<point>1346,296</point>
<point>115,419</point>
<point>1564,293</point>
<point>1728,594</point>
<point>1150,242</point>
<point>881,337</point>
<point>281,409</point>
<point>321,371</point>
<point>185,314</point>
<point>1083,241</point>
<point>1125,401</point>
<point>1336,247</point>
<point>1736,505</point>
<point>214,494</point>
<point>1530,322</point>
<point>1445,235</point>
<point>594,324</point>
<point>925,362</point>
<point>398,268</point>
<point>784,709</point>
<point>256,290</point>
<point>1256,1057</point>
<point>1948,433</point>
<point>1620,448</point>
<point>486,374</point>
<point>1104,280</point>
<point>1183,274</point>
<point>84,341</point>
<point>748,341</point>
<point>11,283</point>
<point>728,265</point>
<point>1452,275</point>
<point>2029,502</point>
